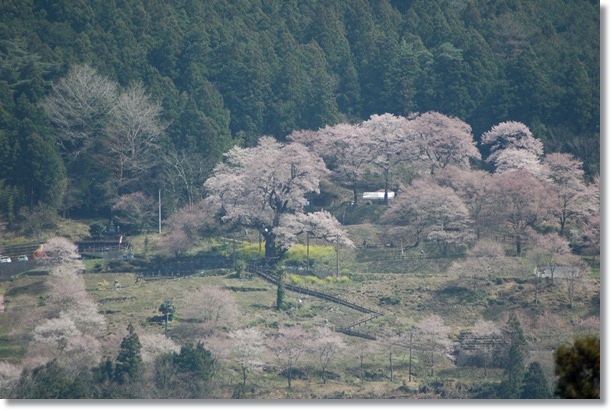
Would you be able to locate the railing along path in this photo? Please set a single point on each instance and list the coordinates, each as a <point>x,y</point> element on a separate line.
<point>347,329</point>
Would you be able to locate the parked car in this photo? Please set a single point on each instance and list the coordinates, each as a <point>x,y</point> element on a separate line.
<point>22,258</point>
<point>4,259</point>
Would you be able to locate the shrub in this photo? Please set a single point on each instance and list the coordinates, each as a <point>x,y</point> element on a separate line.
<point>303,280</point>
<point>388,301</point>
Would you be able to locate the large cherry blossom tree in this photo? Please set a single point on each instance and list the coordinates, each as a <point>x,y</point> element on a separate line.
<point>345,148</point>
<point>513,147</point>
<point>264,188</point>
<point>391,144</point>
<point>519,202</point>
<point>442,140</point>
<point>425,211</point>
<point>472,186</point>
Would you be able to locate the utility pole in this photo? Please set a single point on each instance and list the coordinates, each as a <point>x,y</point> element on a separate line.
<point>234,251</point>
<point>410,358</point>
<point>337,256</point>
<point>307,251</point>
<point>159,209</point>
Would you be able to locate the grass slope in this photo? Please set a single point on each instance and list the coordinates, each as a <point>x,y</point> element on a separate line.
<point>404,299</point>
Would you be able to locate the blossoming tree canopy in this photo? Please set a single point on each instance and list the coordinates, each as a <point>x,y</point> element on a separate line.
<point>258,187</point>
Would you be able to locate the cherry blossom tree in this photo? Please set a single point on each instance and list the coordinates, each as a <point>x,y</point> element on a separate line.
<point>484,260</point>
<point>214,307</point>
<point>318,224</point>
<point>289,345</point>
<point>326,345</point>
<point>590,234</point>
<point>247,349</point>
<point>513,147</point>
<point>58,251</point>
<point>59,338</point>
<point>587,326</point>
<point>473,187</point>
<point>511,134</point>
<point>550,331</point>
<point>576,270</point>
<point>9,377</point>
<point>136,210</point>
<point>345,148</point>
<point>391,144</point>
<point>518,202</point>
<point>442,141</point>
<point>425,211</point>
<point>484,336</point>
<point>155,345</point>
<point>258,187</point>
<point>174,243</point>
<point>68,294</point>
<point>391,342</point>
<point>548,252</point>
<point>512,159</point>
<point>572,198</point>
<point>67,288</point>
<point>362,349</point>
<point>434,335</point>
<point>193,221</point>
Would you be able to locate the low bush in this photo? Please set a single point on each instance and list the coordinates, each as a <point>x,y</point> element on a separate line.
<point>304,280</point>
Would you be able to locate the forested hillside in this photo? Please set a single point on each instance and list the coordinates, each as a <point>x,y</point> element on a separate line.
<point>226,72</point>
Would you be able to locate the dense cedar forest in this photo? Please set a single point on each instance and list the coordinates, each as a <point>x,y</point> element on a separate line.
<point>227,72</point>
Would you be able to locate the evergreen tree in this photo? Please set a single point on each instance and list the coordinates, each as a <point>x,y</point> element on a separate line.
<point>50,381</point>
<point>275,67</point>
<point>129,365</point>
<point>535,384</point>
<point>578,368</point>
<point>516,354</point>
<point>196,361</point>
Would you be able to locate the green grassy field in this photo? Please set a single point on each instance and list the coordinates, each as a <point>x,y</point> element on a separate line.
<point>403,299</point>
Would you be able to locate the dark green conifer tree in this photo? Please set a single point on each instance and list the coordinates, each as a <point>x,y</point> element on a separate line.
<point>535,384</point>
<point>129,365</point>
<point>516,354</point>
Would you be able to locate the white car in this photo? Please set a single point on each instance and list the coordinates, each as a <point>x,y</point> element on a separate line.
<point>4,259</point>
<point>22,258</point>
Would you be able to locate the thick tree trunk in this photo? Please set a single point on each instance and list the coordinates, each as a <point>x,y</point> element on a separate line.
<point>270,246</point>
<point>386,197</point>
